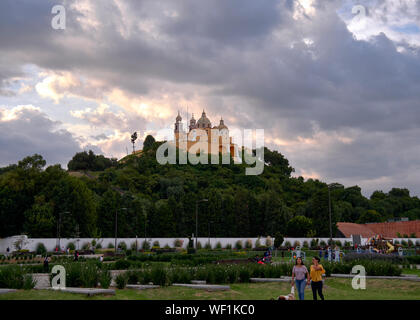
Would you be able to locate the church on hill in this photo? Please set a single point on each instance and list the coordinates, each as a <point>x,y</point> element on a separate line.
<point>217,137</point>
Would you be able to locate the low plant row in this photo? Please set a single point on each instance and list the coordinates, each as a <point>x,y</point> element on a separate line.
<point>16,277</point>
<point>372,267</point>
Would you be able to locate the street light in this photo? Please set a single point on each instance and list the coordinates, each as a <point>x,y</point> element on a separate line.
<point>196,220</point>
<point>59,229</point>
<point>209,222</point>
<point>331,186</point>
<point>116,227</point>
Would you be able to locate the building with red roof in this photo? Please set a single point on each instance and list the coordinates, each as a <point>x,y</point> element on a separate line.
<point>385,229</point>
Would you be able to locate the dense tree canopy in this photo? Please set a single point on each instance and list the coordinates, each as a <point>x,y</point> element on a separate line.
<point>89,161</point>
<point>156,200</point>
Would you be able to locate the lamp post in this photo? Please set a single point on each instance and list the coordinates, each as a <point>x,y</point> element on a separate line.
<point>331,186</point>
<point>196,220</point>
<point>59,229</point>
<point>116,227</point>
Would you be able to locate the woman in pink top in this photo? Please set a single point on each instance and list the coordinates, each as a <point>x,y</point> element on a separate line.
<point>299,271</point>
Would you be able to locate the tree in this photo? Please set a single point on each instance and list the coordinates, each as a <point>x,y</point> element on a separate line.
<point>299,226</point>
<point>39,220</point>
<point>133,139</point>
<point>89,161</point>
<point>370,216</point>
<point>278,240</point>
<point>148,142</point>
<point>35,162</point>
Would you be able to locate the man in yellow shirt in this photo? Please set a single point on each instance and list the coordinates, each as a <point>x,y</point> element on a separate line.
<point>317,270</point>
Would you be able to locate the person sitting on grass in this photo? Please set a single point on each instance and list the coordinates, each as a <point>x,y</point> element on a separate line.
<point>299,271</point>
<point>317,270</point>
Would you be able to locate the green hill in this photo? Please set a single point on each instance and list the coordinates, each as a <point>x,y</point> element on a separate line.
<point>161,199</point>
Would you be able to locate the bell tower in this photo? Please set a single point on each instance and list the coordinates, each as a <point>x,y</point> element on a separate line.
<point>178,125</point>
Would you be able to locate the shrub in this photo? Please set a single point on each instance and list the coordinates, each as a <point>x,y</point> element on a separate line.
<point>85,246</point>
<point>338,243</point>
<point>40,249</point>
<point>296,243</point>
<point>238,245</point>
<point>278,240</point>
<point>73,274</point>
<point>145,277</point>
<point>258,243</point>
<point>180,275</point>
<point>217,274</point>
<point>248,244</point>
<point>145,245</point>
<point>159,275</point>
<point>105,278</point>
<point>314,243</point>
<point>98,246</point>
<point>244,274</point>
<point>110,246</point>
<point>229,246</point>
<point>305,244</point>
<point>410,243</point>
<point>178,243</point>
<point>15,277</point>
<point>167,246</point>
<point>347,244</point>
<point>199,246</point>
<point>90,274</point>
<point>122,245</point>
<point>352,256</point>
<point>404,243</point>
<point>134,245</point>
<point>323,243</point>
<point>71,246</point>
<point>156,244</point>
<point>121,280</point>
<point>232,274</point>
<point>28,282</point>
<point>207,246</point>
<point>122,264</point>
<point>268,241</point>
<point>218,245</point>
<point>93,243</point>
<point>413,259</point>
<point>133,277</point>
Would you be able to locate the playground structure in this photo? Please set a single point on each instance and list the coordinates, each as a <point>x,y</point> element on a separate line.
<point>298,253</point>
<point>379,244</point>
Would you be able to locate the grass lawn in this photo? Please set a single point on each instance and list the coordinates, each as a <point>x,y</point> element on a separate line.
<point>411,271</point>
<point>336,289</point>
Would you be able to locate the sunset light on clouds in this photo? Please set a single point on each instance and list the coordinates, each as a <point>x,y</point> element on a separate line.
<point>329,89</point>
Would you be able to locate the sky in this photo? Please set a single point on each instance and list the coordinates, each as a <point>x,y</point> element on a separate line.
<point>334,84</point>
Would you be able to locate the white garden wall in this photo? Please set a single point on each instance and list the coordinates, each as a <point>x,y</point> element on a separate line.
<point>50,243</point>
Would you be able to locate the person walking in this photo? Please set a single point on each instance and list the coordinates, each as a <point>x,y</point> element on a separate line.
<point>317,270</point>
<point>299,272</point>
<point>46,261</point>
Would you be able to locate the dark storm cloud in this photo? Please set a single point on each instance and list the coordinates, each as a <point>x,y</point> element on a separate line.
<point>250,60</point>
<point>30,131</point>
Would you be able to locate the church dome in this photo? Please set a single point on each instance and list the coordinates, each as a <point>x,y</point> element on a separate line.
<point>222,125</point>
<point>192,121</point>
<point>203,122</point>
